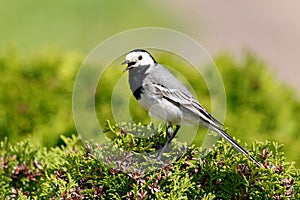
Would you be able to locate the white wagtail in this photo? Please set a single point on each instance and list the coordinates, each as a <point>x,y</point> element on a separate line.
<point>158,91</point>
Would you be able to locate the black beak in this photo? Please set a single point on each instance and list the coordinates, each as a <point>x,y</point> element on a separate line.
<point>128,66</point>
<point>125,62</point>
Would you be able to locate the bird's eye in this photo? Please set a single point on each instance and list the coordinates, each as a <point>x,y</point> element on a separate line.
<point>140,57</point>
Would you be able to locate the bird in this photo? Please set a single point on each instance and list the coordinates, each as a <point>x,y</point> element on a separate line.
<point>157,90</point>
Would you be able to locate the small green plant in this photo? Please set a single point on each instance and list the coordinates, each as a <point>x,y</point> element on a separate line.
<point>73,172</point>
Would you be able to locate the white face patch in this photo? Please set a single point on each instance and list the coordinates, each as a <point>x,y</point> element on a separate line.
<point>139,58</point>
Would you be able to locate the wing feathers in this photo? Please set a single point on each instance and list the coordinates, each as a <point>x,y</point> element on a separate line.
<point>187,101</point>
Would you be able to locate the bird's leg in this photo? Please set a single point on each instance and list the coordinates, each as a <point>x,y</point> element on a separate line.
<point>175,132</point>
<point>170,134</point>
<point>169,131</point>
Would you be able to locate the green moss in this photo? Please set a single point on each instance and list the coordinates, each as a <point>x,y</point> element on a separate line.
<point>71,172</point>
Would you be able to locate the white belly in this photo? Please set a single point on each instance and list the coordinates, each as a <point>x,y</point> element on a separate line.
<point>162,109</point>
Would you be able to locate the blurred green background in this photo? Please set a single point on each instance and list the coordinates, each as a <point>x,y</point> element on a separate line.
<point>44,43</point>
<point>34,26</point>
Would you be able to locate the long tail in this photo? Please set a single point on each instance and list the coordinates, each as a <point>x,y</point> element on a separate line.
<point>236,145</point>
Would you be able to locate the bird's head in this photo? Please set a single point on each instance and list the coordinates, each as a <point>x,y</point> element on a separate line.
<point>138,57</point>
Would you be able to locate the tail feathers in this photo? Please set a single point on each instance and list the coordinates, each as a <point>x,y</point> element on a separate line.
<point>236,145</point>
